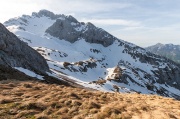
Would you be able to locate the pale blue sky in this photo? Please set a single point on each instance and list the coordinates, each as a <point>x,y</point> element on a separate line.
<point>142,22</point>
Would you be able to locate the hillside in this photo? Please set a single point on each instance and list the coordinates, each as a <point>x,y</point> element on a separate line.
<point>167,50</point>
<point>32,99</point>
<point>15,53</point>
<point>91,57</point>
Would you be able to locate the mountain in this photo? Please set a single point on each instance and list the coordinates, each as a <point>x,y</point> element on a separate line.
<point>15,53</point>
<point>167,50</point>
<point>85,54</point>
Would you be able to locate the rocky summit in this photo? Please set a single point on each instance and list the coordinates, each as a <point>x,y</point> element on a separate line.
<point>72,30</point>
<point>90,56</point>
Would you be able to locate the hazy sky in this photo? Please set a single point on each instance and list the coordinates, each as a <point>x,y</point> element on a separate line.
<point>142,22</point>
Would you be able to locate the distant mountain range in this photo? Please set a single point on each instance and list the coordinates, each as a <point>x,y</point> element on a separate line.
<point>85,54</point>
<point>167,50</point>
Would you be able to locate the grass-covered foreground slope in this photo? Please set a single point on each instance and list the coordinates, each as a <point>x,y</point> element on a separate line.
<point>32,99</point>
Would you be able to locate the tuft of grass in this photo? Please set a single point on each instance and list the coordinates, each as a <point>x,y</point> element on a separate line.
<point>28,114</point>
<point>42,116</point>
<point>6,100</point>
<point>34,106</point>
<point>63,110</point>
<point>76,103</point>
<point>27,85</point>
<point>73,95</point>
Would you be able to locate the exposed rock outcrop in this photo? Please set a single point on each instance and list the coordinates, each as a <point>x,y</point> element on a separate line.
<point>47,14</point>
<point>16,53</point>
<point>169,74</point>
<point>71,30</point>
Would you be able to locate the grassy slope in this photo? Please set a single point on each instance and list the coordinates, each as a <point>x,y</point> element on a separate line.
<point>34,99</point>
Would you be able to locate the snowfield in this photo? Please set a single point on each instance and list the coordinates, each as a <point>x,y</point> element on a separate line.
<point>29,73</point>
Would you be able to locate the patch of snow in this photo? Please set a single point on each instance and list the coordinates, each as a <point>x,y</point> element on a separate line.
<point>80,28</point>
<point>29,73</point>
<point>61,18</point>
<point>73,24</point>
<point>169,89</point>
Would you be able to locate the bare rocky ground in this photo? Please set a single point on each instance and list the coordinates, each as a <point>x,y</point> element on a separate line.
<point>22,97</point>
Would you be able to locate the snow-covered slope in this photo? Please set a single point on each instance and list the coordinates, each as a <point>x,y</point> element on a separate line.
<point>94,58</point>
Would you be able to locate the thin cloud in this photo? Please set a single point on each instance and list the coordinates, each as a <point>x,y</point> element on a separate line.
<point>86,6</point>
<point>119,22</point>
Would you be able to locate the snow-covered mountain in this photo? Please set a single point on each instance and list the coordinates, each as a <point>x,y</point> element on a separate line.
<point>168,50</point>
<point>92,57</point>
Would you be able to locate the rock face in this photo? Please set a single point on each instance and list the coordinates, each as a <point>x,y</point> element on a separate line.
<point>71,30</point>
<point>47,14</point>
<point>16,53</point>
<point>169,74</point>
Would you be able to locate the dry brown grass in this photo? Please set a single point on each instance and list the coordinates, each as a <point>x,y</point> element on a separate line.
<point>37,100</point>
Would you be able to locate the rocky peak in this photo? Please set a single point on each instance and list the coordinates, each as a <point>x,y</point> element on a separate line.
<point>90,25</point>
<point>71,30</point>
<point>16,53</point>
<point>159,44</point>
<point>47,14</point>
<point>71,19</point>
